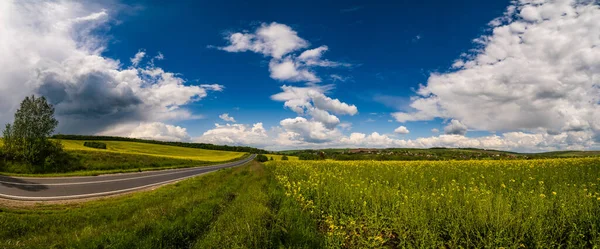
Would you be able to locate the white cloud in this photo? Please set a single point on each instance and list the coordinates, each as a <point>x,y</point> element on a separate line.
<point>434,130</point>
<point>213,87</point>
<point>455,127</point>
<point>336,77</point>
<point>160,131</point>
<point>401,130</point>
<point>226,117</point>
<point>539,69</point>
<point>312,101</point>
<point>274,39</point>
<point>299,98</point>
<point>279,42</point>
<point>289,70</point>
<point>309,131</point>
<point>149,130</point>
<point>301,133</point>
<point>137,58</point>
<point>54,48</point>
<point>312,57</point>
<point>512,141</point>
<point>236,134</point>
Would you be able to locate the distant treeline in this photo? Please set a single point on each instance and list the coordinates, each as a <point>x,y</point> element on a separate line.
<point>180,144</point>
<point>436,153</point>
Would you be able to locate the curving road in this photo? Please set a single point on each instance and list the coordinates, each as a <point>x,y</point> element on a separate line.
<point>62,188</point>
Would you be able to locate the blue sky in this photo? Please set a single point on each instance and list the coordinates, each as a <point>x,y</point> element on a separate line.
<point>513,75</point>
<point>394,47</point>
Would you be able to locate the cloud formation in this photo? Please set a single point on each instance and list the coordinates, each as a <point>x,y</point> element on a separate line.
<point>538,71</point>
<point>226,117</point>
<point>455,127</point>
<point>301,133</point>
<point>312,102</point>
<point>236,134</point>
<point>279,42</point>
<point>54,48</point>
<point>401,130</point>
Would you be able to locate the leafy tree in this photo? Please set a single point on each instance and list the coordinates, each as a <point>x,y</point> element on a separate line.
<point>271,159</point>
<point>27,138</point>
<point>262,158</point>
<point>284,158</point>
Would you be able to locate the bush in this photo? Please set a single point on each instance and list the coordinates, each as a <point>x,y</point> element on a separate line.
<point>284,158</point>
<point>262,158</point>
<point>308,156</point>
<point>59,160</point>
<point>96,145</point>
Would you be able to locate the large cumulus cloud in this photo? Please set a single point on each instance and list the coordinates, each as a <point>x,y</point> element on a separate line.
<point>55,49</point>
<point>537,72</point>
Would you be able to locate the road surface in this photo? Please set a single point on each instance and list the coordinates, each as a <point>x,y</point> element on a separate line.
<point>62,188</point>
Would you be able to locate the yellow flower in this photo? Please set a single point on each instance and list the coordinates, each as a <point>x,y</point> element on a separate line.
<point>542,195</point>
<point>553,193</point>
<point>503,186</point>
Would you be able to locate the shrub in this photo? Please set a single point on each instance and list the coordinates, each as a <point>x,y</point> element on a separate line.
<point>59,160</point>
<point>284,158</point>
<point>262,158</point>
<point>96,145</point>
<point>309,156</point>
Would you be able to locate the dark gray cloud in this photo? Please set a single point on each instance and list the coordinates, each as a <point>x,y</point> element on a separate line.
<point>91,102</point>
<point>455,128</point>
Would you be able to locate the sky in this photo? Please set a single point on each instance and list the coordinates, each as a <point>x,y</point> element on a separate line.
<point>520,75</point>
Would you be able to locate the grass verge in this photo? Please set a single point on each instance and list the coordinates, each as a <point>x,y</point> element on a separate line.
<point>239,207</point>
<point>91,163</point>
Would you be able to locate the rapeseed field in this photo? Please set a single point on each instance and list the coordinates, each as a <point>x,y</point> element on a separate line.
<point>448,204</point>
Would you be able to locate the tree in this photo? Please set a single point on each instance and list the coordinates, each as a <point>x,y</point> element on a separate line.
<point>271,159</point>
<point>262,158</point>
<point>27,138</point>
<point>284,158</point>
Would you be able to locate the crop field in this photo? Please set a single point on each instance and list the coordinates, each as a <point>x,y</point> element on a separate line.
<point>157,150</point>
<point>448,204</point>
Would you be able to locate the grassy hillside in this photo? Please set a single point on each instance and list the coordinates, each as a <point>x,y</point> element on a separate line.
<point>157,150</point>
<point>120,157</point>
<point>172,143</point>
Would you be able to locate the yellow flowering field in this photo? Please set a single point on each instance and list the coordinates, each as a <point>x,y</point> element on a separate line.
<point>448,204</point>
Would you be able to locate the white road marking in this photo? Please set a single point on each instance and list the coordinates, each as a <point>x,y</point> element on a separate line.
<point>65,197</point>
<point>114,180</point>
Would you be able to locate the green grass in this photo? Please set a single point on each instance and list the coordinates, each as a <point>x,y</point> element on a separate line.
<point>241,207</point>
<point>121,157</point>
<point>91,163</point>
<point>449,204</point>
<point>157,150</point>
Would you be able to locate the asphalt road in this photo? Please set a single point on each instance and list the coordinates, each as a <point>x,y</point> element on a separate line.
<point>62,188</point>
